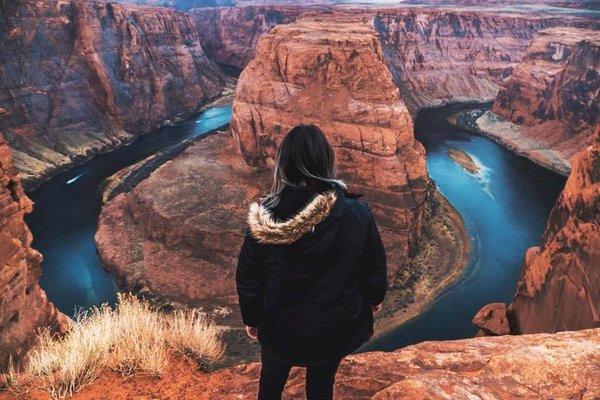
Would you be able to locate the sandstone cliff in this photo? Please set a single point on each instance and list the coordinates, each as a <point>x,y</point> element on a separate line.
<point>559,366</point>
<point>560,283</point>
<point>551,98</point>
<point>82,77</point>
<point>332,73</point>
<point>23,304</point>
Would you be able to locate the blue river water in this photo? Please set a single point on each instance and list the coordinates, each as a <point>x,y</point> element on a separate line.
<point>66,212</point>
<point>504,207</point>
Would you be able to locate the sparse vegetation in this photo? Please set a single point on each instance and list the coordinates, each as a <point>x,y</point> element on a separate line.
<point>133,338</point>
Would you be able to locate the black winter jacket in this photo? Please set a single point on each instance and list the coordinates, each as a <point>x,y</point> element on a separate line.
<point>309,272</point>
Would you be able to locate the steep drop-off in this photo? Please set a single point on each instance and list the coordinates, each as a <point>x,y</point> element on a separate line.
<point>560,366</point>
<point>550,100</point>
<point>332,73</point>
<point>560,283</point>
<point>23,304</point>
<point>559,288</point>
<point>82,77</point>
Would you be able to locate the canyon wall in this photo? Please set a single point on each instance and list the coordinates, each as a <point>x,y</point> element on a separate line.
<point>83,77</point>
<point>439,56</point>
<point>559,287</point>
<point>553,94</point>
<point>229,35</point>
<point>23,304</point>
<point>332,73</point>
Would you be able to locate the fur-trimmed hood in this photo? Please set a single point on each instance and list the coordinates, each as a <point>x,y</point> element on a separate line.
<point>267,230</point>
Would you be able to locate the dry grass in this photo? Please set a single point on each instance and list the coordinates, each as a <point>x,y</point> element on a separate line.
<point>9,380</point>
<point>133,338</point>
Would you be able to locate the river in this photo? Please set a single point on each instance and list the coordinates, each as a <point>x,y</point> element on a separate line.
<point>505,208</point>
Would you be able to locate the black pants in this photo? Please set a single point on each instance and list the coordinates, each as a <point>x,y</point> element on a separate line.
<point>274,373</point>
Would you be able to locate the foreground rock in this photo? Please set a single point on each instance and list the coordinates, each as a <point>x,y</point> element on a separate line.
<point>332,73</point>
<point>83,77</point>
<point>23,304</point>
<point>559,366</point>
<point>550,99</point>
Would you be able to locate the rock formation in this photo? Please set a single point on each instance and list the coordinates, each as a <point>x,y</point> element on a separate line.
<point>23,304</point>
<point>332,73</point>
<point>82,77</point>
<point>436,55</point>
<point>551,97</point>
<point>543,366</point>
<point>560,283</point>
<point>439,56</point>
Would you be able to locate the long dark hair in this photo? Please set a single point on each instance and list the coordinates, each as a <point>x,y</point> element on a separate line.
<point>304,157</point>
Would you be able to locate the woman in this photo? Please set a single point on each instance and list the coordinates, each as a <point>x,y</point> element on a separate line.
<point>311,271</point>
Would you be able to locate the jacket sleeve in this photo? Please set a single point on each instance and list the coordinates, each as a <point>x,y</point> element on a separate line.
<point>250,280</point>
<point>375,265</point>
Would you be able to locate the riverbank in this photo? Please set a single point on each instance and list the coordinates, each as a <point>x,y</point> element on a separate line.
<point>484,122</point>
<point>441,257</point>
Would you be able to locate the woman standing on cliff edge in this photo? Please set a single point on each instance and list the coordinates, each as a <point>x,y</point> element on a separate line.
<point>311,271</point>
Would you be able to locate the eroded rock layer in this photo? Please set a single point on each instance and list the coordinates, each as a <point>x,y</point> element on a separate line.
<point>81,77</point>
<point>23,304</point>
<point>560,283</point>
<point>332,73</point>
<point>543,366</point>
<point>440,56</point>
<point>553,93</point>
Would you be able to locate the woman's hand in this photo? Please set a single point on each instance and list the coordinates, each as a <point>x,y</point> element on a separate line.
<point>252,331</point>
<point>377,308</point>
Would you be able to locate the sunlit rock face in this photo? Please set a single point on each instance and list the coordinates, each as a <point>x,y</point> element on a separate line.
<point>23,304</point>
<point>437,56</point>
<point>560,283</point>
<point>554,91</point>
<point>331,73</point>
<point>82,77</point>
